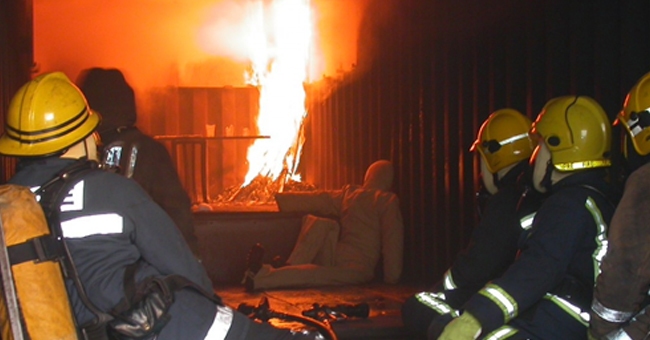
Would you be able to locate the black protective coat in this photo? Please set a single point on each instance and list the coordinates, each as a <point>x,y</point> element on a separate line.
<point>559,256</point>
<point>492,248</point>
<point>144,233</point>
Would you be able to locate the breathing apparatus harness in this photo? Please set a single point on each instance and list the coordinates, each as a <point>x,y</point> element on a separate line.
<point>143,313</point>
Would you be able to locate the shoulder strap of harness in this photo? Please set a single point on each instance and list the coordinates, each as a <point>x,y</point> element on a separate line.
<point>602,194</point>
<point>48,247</point>
<point>52,194</point>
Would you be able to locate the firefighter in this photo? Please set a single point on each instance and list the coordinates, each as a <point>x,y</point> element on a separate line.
<point>131,152</point>
<point>108,221</point>
<point>546,292</point>
<point>504,149</point>
<point>620,306</point>
<point>367,227</point>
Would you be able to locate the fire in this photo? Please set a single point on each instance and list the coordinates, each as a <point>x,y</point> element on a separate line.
<point>279,44</point>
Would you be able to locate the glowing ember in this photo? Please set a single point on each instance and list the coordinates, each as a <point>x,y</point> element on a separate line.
<point>281,34</point>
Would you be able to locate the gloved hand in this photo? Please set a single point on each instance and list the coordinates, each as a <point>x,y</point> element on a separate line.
<point>465,327</point>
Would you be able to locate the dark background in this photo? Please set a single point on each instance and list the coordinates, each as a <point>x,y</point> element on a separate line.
<point>428,74</point>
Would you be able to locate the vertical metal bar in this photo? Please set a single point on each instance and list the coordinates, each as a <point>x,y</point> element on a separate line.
<point>9,288</point>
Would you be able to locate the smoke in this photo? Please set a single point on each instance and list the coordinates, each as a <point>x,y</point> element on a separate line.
<point>148,40</point>
<point>169,43</point>
<point>336,26</point>
<point>177,42</point>
<point>226,26</point>
<point>335,46</point>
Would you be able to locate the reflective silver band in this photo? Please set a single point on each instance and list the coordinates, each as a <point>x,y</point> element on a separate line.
<point>514,138</point>
<point>527,221</point>
<point>506,303</point>
<point>436,302</point>
<point>609,314</point>
<point>502,332</point>
<point>601,235</point>
<point>618,334</point>
<point>571,309</point>
<point>448,282</point>
<point>221,324</point>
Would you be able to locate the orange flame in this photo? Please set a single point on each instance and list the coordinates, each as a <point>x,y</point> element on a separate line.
<point>280,40</point>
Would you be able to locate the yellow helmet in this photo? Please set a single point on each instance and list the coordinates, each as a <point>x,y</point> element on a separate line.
<point>635,115</point>
<point>503,139</point>
<point>46,115</point>
<point>576,131</point>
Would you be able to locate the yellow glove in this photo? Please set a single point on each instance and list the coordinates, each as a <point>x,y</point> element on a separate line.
<point>464,327</point>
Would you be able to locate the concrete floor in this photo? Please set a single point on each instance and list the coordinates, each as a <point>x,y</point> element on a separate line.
<point>225,239</point>
<point>383,322</point>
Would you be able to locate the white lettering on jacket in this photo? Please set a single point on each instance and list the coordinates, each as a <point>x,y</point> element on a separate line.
<point>74,201</point>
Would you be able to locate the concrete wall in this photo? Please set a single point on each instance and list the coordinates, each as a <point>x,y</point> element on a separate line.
<point>226,238</point>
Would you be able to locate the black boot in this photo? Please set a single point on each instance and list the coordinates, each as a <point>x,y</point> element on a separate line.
<point>253,265</point>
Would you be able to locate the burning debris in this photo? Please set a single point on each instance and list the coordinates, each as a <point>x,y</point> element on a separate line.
<point>260,191</point>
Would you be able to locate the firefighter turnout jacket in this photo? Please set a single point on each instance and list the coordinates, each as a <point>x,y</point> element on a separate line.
<point>109,222</point>
<point>492,249</point>
<point>493,244</point>
<point>546,292</point>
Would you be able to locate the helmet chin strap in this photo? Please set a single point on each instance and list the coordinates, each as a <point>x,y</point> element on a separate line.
<point>85,144</point>
<point>547,181</point>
